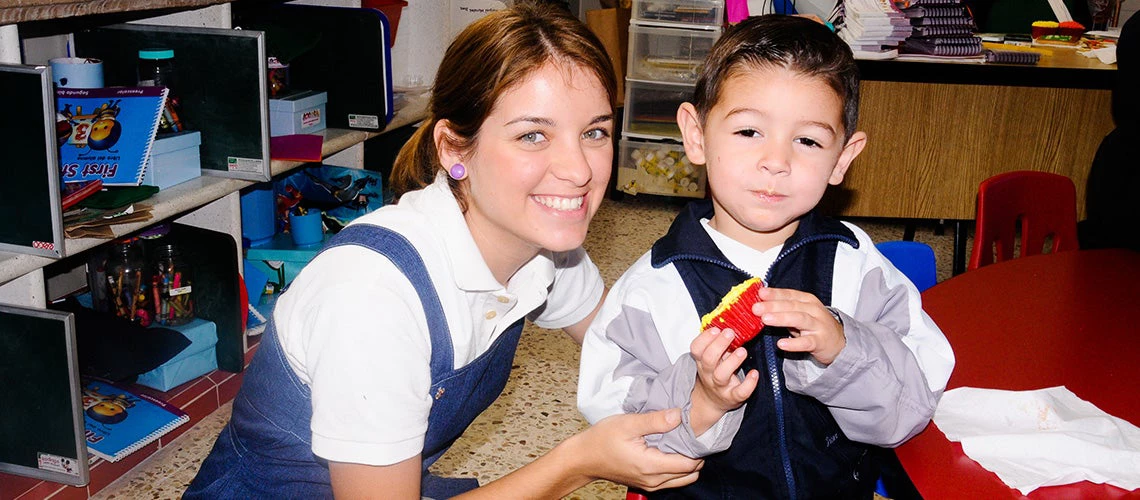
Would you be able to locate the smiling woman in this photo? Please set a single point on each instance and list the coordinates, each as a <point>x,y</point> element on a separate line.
<point>404,328</point>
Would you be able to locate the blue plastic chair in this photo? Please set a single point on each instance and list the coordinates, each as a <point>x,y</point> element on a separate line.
<point>914,259</point>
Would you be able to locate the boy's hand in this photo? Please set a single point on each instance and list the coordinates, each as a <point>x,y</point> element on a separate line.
<point>814,330</point>
<point>718,389</point>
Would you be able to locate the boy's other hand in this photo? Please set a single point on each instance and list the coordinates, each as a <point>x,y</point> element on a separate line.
<point>814,330</point>
<point>718,388</point>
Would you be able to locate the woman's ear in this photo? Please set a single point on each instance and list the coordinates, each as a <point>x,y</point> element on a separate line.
<point>851,150</point>
<point>692,135</point>
<point>444,138</point>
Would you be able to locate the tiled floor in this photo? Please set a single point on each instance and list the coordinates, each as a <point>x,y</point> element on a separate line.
<point>537,409</point>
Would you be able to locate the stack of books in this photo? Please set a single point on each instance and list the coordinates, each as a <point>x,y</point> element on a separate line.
<point>873,28</point>
<point>941,28</point>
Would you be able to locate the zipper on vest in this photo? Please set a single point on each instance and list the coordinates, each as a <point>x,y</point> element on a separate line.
<point>774,372</point>
<point>770,344</point>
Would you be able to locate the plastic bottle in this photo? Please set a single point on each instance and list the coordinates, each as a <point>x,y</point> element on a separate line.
<point>156,69</point>
<point>174,302</point>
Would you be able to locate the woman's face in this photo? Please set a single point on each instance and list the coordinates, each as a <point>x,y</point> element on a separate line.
<point>541,163</point>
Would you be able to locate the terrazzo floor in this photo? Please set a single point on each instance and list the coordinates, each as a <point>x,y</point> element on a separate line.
<point>537,408</point>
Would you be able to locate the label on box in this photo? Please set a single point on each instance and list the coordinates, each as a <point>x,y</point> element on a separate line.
<point>364,121</point>
<point>311,118</point>
<point>56,463</point>
<point>236,164</point>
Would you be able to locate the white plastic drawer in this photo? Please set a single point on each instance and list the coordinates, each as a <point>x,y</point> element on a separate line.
<point>651,109</point>
<point>668,54</point>
<point>662,168</point>
<point>690,13</point>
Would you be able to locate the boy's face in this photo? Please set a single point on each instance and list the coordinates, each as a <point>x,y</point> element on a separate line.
<point>772,144</point>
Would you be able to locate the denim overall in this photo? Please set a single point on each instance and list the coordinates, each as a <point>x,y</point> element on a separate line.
<point>265,451</point>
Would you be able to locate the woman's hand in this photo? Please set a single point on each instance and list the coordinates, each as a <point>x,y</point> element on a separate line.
<point>718,389</point>
<point>615,449</point>
<point>814,330</point>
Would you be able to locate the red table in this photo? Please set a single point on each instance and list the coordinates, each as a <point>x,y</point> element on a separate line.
<point>1069,318</point>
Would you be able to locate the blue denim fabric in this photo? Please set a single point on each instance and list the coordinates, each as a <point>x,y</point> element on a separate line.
<point>266,448</point>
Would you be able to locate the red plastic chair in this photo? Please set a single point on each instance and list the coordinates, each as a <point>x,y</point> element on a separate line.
<point>1045,204</point>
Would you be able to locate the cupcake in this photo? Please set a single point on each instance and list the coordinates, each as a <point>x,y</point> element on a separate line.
<point>735,312</point>
<point>1041,28</point>
<point>1071,29</point>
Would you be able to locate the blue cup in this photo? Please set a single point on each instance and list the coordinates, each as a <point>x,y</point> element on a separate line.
<point>306,229</point>
<point>76,72</point>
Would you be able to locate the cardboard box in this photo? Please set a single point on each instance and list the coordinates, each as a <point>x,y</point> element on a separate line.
<point>611,26</point>
<point>174,158</point>
<point>301,112</point>
<point>195,360</point>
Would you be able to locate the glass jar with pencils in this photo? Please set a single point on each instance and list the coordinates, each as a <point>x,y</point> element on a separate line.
<point>173,287</point>
<point>128,286</point>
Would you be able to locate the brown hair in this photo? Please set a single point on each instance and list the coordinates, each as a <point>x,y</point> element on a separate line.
<point>492,55</point>
<point>775,40</point>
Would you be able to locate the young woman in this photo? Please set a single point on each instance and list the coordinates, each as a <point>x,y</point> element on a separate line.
<point>403,329</point>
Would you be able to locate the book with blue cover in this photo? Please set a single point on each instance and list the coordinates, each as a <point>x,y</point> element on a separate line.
<point>118,422</point>
<point>107,133</point>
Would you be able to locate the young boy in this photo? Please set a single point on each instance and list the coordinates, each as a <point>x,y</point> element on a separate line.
<point>848,361</point>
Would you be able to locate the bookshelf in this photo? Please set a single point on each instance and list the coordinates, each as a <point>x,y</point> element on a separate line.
<point>209,202</point>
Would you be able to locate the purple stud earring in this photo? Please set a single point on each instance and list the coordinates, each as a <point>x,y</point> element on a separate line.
<point>457,172</point>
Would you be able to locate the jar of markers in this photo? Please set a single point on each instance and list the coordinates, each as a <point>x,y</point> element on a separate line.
<point>171,281</point>
<point>128,290</point>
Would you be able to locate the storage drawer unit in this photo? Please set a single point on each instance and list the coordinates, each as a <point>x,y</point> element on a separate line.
<point>651,109</point>
<point>668,54</point>
<point>658,168</point>
<point>679,12</point>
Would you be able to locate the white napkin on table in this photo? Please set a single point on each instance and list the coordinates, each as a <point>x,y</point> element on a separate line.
<point>1041,438</point>
<point>1107,55</point>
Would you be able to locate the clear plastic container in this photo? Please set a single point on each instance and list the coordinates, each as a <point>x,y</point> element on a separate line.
<point>703,13</point>
<point>668,54</point>
<point>156,69</point>
<point>647,167</point>
<point>651,109</point>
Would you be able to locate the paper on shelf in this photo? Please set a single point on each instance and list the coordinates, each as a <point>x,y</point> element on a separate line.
<point>1038,438</point>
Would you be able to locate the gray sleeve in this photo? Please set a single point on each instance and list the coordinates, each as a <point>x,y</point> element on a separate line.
<point>875,388</point>
<point>659,383</point>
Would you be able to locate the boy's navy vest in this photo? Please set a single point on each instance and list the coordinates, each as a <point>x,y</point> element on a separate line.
<point>788,445</point>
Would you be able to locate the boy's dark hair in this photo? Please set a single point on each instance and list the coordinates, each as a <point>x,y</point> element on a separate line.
<point>794,43</point>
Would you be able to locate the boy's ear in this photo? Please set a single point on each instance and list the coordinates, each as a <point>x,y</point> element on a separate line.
<point>691,133</point>
<point>851,150</point>
<point>442,136</point>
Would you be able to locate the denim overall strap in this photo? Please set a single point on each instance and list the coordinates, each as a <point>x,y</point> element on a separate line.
<point>400,251</point>
<point>265,450</point>
<point>459,395</point>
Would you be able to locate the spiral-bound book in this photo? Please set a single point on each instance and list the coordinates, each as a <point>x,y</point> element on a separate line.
<point>118,422</point>
<point>107,133</point>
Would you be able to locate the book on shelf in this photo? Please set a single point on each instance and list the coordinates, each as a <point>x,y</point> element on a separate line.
<point>933,31</point>
<point>915,46</point>
<point>927,3</point>
<point>107,133</point>
<point>943,11</point>
<point>872,28</point>
<point>74,192</point>
<point>950,40</point>
<point>118,422</point>
<point>965,21</point>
